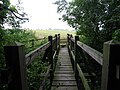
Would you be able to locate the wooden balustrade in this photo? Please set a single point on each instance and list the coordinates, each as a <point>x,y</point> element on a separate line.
<point>108,61</point>
<point>17,61</point>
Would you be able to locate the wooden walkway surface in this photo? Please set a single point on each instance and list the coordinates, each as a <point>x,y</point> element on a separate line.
<point>64,78</point>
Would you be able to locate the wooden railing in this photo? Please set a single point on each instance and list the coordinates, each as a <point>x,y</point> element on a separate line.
<point>16,62</point>
<point>109,61</point>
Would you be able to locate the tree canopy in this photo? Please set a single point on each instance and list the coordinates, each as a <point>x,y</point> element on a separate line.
<point>96,20</point>
<point>10,14</point>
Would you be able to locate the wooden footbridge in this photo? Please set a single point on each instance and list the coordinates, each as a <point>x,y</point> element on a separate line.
<point>64,77</point>
<point>68,67</point>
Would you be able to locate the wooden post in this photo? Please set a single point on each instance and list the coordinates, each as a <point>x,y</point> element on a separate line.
<point>71,42</point>
<point>51,59</point>
<point>16,64</point>
<point>76,54</point>
<point>56,42</point>
<point>59,40</point>
<point>111,66</point>
<point>3,76</point>
<point>68,38</point>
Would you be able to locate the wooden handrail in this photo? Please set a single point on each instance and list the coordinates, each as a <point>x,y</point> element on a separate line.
<point>92,52</point>
<point>33,54</point>
<point>109,61</point>
<point>16,62</point>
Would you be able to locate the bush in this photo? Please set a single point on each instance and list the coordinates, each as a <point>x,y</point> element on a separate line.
<point>116,35</point>
<point>24,36</point>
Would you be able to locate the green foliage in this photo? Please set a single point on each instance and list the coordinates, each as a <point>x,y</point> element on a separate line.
<point>2,41</point>
<point>34,73</point>
<point>11,15</point>
<point>116,35</point>
<point>95,19</point>
<point>37,67</point>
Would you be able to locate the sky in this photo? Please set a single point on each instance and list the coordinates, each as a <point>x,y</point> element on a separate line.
<point>42,14</point>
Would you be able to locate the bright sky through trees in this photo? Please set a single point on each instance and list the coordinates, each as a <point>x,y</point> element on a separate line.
<point>42,14</point>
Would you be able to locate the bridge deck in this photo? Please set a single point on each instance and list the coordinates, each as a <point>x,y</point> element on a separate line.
<point>64,77</point>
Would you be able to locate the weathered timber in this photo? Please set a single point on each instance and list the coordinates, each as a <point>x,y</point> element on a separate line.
<point>33,54</point>
<point>15,62</point>
<point>77,68</point>
<point>92,52</point>
<point>76,54</point>
<point>50,57</point>
<point>57,87</point>
<point>64,77</point>
<point>85,83</point>
<point>111,66</point>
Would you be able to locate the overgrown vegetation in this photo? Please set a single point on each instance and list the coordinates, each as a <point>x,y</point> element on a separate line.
<point>13,16</point>
<point>35,69</point>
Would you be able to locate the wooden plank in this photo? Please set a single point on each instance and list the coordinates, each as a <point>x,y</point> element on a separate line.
<point>33,54</point>
<point>64,88</point>
<point>15,62</point>
<point>85,83</point>
<point>64,83</point>
<point>64,74</point>
<point>62,66</point>
<point>111,65</point>
<point>92,52</point>
<point>64,69</point>
<point>64,78</point>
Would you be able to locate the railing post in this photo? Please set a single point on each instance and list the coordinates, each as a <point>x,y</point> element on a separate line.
<point>59,40</point>
<point>68,38</point>
<point>76,54</point>
<point>56,42</point>
<point>71,42</point>
<point>111,66</point>
<point>15,62</point>
<point>51,59</point>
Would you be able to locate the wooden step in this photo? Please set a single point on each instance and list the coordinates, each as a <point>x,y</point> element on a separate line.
<point>64,72</point>
<point>64,69</point>
<point>64,88</point>
<point>69,78</point>
<point>64,63</point>
<point>64,66</point>
<point>64,83</point>
<point>64,78</point>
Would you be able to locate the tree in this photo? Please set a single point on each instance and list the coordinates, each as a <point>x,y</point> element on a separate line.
<point>95,19</point>
<point>11,15</point>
